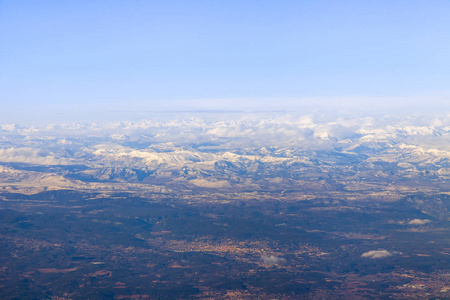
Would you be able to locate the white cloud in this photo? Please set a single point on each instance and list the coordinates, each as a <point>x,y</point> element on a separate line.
<point>377,254</point>
<point>272,260</point>
<point>419,222</point>
<point>30,156</point>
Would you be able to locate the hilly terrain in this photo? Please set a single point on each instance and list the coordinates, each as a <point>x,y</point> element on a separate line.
<point>251,206</point>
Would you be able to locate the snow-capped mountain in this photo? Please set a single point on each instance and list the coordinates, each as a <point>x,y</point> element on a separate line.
<point>279,152</point>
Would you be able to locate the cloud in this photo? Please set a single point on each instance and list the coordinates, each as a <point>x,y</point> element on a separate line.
<point>418,222</point>
<point>272,260</point>
<point>285,135</point>
<point>30,156</point>
<point>377,254</point>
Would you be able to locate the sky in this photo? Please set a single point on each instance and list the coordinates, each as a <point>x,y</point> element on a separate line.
<point>63,59</point>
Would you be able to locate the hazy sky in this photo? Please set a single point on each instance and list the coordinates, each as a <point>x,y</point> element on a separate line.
<point>67,57</point>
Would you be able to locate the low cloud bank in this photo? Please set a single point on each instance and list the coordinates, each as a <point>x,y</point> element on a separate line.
<point>30,156</point>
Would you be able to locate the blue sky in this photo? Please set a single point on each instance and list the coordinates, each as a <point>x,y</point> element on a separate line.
<point>98,56</point>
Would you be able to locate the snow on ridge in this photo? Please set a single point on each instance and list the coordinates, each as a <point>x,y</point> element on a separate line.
<point>288,131</point>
